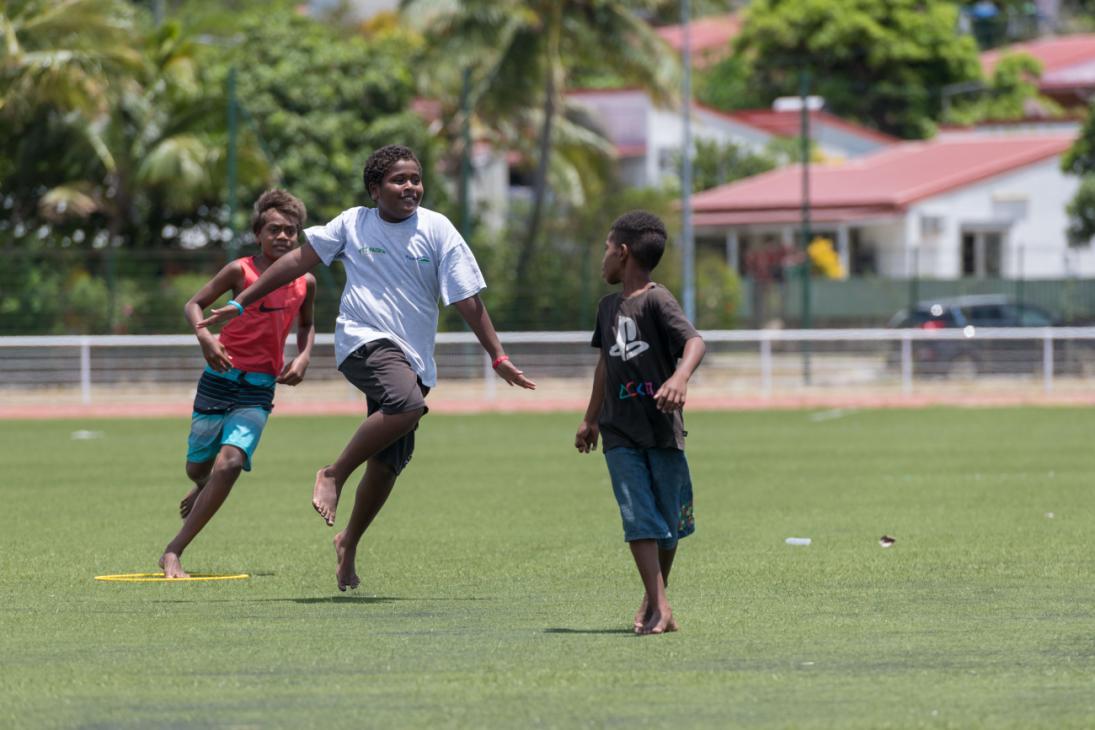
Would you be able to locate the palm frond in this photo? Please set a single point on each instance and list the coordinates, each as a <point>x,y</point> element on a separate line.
<point>73,200</point>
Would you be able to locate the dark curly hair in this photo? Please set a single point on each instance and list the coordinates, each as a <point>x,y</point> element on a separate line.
<point>283,202</point>
<point>643,233</point>
<point>380,161</point>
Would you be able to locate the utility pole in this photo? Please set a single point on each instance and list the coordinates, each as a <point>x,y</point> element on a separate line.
<point>688,243</point>
<point>804,119</point>
<point>233,165</point>
<point>465,155</point>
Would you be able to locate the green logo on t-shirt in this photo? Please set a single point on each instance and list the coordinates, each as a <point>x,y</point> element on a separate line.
<point>372,249</point>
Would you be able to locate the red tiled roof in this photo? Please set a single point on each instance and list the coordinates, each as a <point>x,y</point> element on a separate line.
<point>1078,76</point>
<point>787,123</point>
<point>788,215</point>
<point>885,182</point>
<point>1054,53</point>
<point>710,35</point>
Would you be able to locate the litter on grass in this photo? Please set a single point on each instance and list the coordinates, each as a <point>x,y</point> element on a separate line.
<point>798,541</point>
<point>886,541</point>
<point>86,435</point>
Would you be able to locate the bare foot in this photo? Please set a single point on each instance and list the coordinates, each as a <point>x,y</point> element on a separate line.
<point>172,568</point>
<point>325,496</point>
<point>188,501</point>
<point>661,622</point>
<point>347,572</point>
<point>642,615</point>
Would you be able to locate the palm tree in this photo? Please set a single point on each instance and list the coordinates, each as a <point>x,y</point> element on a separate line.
<point>131,134</point>
<point>67,54</point>
<point>523,52</point>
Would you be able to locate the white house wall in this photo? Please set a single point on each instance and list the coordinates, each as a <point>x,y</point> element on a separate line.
<point>1027,205</point>
<point>887,238</point>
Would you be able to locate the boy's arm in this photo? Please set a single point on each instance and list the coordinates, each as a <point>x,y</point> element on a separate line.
<point>475,314</point>
<point>229,278</point>
<point>586,438</point>
<point>670,397</point>
<point>294,370</point>
<point>296,263</point>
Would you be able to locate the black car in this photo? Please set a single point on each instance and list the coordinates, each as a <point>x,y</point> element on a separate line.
<point>977,353</point>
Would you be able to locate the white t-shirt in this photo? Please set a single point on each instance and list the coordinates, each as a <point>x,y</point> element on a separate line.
<point>395,274</point>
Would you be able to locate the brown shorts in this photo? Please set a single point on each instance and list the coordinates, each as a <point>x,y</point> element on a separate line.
<point>380,370</point>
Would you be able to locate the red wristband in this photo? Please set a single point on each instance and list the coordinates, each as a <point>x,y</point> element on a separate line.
<point>499,360</point>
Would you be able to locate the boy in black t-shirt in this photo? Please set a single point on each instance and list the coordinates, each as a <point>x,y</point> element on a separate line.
<point>649,350</point>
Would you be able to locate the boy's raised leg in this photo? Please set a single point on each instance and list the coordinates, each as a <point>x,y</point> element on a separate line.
<point>226,471</point>
<point>372,492</point>
<point>376,432</point>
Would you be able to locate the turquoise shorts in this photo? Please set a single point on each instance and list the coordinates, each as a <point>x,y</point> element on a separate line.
<point>236,423</point>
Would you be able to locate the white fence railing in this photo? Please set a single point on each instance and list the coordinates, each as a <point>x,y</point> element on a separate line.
<point>764,361</point>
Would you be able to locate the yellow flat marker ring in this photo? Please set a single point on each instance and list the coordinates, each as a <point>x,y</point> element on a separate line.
<point>159,577</point>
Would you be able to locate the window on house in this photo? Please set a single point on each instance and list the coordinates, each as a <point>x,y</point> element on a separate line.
<point>862,255</point>
<point>982,253</point>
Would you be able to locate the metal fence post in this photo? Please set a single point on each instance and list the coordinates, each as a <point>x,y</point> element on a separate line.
<point>1047,361</point>
<point>765,366</point>
<point>906,362</point>
<point>85,370</point>
<point>490,387</point>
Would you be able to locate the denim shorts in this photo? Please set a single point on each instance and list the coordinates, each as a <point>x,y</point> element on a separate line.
<point>654,491</point>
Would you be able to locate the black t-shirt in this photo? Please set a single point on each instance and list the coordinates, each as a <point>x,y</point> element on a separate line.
<point>645,335</point>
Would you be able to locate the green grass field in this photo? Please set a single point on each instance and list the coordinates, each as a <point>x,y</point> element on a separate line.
<point>497,590</point>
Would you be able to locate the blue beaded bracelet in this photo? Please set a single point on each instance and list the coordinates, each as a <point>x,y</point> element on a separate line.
<point>237,305</point>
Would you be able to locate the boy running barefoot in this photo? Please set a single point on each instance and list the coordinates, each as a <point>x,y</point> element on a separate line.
<point>236,391</point>
<point>400,259</point>
<point>649,350</point>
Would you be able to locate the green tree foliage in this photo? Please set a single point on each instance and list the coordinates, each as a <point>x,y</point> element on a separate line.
<point>1080,161</point>
<point>116,149</point>
<point>1012,93</point>
<point>668,12</point>
<point>716,164</point>
<point>59,61</point>
<point>881,62</point>
<point>727,85</point>
<point>321,101</point>
<point>523,54</point>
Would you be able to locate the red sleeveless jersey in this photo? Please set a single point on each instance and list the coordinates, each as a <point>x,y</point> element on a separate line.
<point>256,339</point>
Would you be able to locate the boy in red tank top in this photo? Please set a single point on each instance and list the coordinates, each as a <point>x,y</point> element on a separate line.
<point>236,390</point>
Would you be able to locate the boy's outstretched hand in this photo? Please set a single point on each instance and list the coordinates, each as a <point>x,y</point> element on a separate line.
<point>509,373</point>
<point>586,438</point>
<point>217,316</point>
<point>670,397</point>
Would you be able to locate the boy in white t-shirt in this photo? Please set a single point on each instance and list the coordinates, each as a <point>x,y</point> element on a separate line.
<point>399,260</point>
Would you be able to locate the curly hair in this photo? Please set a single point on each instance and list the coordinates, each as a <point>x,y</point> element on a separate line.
<point>283,202</point>
<point>643,233</point>
<point>380,161</point>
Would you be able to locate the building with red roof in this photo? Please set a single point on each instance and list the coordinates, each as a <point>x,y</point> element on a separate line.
<point>709,38</point>
<point>648,138</point>
<point>1068,66</point>
<point>946,208</point>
